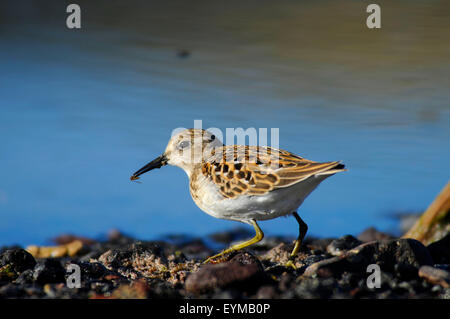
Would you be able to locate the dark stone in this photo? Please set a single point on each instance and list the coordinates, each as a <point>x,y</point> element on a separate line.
<point>445,267</point>
<point>49,271</point>
<point>310,288</point>
<point>266,292</point>
<point>91,271</point>
<point>231,293</point>
<point>286,281</point>
<point>435,276</point>
<point>403,253</point>
<point>440,250</point>
<point>350,280</point>
<point>160,289</point>
<point>25,277</point>
<point>117,258</point>
<point>338,246</point>
<point>91,255</point>
<point>5,248</point>
<point>309,260</point>
<point>330,267</point>
<point>243,271</point>
<point>401,256</point>
<point>11,291</point>
<point>18,259</point>
<point>124,268</point>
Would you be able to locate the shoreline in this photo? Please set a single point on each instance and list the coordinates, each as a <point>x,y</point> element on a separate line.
<point>122,267</point>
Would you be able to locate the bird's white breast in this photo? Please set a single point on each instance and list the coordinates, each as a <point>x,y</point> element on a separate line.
<point>273,204</point>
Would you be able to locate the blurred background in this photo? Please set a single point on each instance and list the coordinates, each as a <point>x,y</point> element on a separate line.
<point>81,110</point>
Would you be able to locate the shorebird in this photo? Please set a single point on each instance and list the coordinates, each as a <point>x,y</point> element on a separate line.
<point>243,183</point>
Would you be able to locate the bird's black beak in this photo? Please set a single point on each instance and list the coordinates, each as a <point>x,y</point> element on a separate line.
<point>156,163</point>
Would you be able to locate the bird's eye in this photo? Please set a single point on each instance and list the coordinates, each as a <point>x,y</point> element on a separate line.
<point>183,144</point>
<point>212,138</point>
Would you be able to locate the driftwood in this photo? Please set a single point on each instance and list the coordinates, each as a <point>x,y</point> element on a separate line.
<point>435,221</point>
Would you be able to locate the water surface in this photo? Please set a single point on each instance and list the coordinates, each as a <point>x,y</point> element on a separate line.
<point>80,110</point>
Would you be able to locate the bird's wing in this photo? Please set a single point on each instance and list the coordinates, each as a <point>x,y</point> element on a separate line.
<point>252,170</point>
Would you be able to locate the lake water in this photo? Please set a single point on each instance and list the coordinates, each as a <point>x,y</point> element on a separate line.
<point>81,110</point>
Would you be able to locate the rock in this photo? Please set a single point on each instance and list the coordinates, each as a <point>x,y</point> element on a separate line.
<point>279,254</point>
<point>311,259</point>
<point>92,271</point>
<point>7,274</point>
<point>11,291</point>
<point>117,258</point>
<point>71,249</point>
<point>135,259</point>
<point>445,267</point>
<point>136,290</point>
<point>338,246</point>
<point>372,234</point>
<point>124,268</point>
<point>49,271</point>
<point>18,260</point>
<point>402,256</point>
<point>231,293</point>
<point>330,267</point>
<point>161,289</point>
<point>243,271</point>
<point>392,254</point>
<point>147,260</point>
<point>435,276</point>
<point>440,250</point>
<point>25,277</point>
<point>266,292</point>
<point>314,288</point>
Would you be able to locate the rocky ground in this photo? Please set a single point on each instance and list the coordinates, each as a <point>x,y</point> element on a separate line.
<point>122,267</point>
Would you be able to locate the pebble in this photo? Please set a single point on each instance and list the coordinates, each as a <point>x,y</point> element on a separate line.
<point>435,276</point>
<point>70,249</point>
<point>49,271</point>
<point>243,271</point>
<point>401,255</point>
<point>339,246</point>
<point>18,260</point>
<point>440,250</point>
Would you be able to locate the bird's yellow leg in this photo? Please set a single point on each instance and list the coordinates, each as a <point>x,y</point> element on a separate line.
<point>303,228</point>
<point>258,237</point>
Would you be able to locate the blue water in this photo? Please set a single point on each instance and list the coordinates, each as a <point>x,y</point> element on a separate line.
<point>80,111</point>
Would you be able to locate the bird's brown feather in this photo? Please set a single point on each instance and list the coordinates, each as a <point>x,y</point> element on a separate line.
<point>251,170</point>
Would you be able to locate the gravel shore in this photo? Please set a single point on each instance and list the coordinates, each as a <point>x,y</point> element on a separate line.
<point>123,267</point>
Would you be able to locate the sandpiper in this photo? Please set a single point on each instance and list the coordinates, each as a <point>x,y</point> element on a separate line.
<point>243,183</point>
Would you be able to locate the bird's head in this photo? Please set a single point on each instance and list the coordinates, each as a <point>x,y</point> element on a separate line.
<point>186,150</point>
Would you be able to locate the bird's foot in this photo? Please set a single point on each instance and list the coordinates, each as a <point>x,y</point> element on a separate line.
<point>290,263</point>
<point>219,258</point>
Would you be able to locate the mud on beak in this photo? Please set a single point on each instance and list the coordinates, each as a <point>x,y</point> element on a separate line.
<point>156,163</point>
